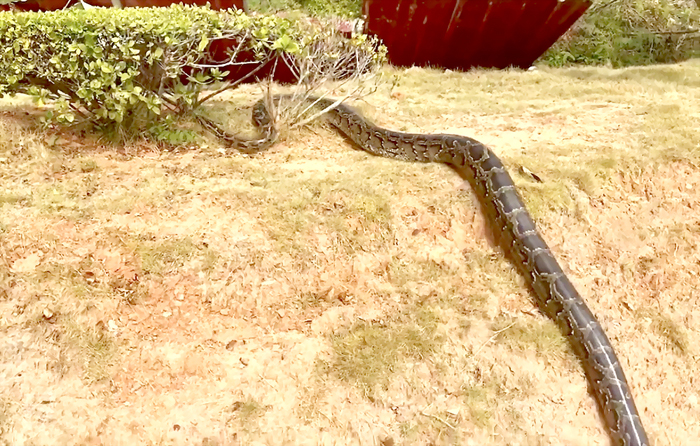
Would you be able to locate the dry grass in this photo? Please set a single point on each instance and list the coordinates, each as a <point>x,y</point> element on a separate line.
<point>316,295</point>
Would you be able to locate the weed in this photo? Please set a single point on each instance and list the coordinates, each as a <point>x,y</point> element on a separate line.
<point>166,132</point>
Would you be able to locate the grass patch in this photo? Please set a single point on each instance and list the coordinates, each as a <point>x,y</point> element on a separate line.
<point>670,130</point>
<point>488,399</point>
<point>60,199</point>
<point>542,336</point>
<point>669,330</point>
<point>369,353</point>
<point>87,165</point>
<point>493,276</point>
<point>248,409</point>
<point>404,272</point>
<point>312,300</point>
<point>320,8</point>
<point>356,217</point>
<point>171,254</point>
<point>246,416</point>
<point>6,410</point>
<point>409,430</point>
<point>479,401</point>
<point>93,348</point>
<point>11,198</point>
<point>622,118</point>
<point>543,198</point>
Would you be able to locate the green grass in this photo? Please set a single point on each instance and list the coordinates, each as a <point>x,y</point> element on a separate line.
<point>67,200</point>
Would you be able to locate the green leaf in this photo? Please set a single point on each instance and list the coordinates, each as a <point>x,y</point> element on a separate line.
<point>203,43</point>
<point>285,43</point>
<point>261,33</point>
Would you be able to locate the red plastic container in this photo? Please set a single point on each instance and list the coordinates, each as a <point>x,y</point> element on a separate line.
<point>460,34</point>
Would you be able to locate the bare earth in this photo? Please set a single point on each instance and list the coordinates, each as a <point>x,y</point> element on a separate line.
<point>315,295</point>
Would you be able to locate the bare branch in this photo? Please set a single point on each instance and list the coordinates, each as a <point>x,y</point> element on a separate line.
<point>234,84</point>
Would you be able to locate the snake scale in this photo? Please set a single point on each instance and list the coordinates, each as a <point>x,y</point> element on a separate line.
<point>517,234</point>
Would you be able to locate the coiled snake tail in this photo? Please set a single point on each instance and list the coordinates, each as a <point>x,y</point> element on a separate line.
<point>518,235</point>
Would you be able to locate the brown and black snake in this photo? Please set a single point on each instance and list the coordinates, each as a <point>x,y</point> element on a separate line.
<point>516,232</point>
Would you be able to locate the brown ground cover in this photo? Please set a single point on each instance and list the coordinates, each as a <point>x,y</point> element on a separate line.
<point>317,295</point>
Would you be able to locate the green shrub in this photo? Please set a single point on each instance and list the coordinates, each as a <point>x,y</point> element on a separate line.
<point>129,71</point>
<point>630,32</point>
<point>117,68</point>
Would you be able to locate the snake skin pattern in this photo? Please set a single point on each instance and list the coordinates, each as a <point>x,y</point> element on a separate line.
<point>517,233</point>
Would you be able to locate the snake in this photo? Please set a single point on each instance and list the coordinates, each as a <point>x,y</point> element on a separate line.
<point>516,232</point>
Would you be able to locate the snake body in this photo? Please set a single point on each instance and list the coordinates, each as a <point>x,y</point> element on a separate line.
<point>518,236</point>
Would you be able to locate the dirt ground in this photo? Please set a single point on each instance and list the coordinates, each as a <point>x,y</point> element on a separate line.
<point>317,295</point>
